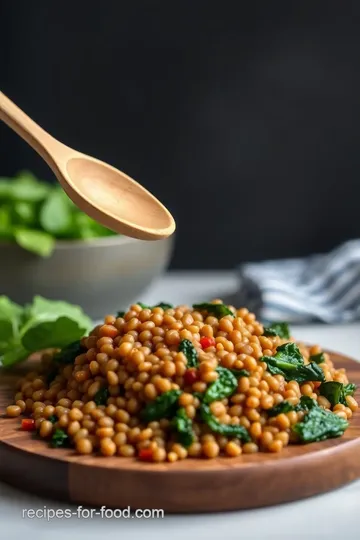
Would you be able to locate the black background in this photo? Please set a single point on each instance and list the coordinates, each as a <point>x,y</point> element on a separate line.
<point>242,117</point>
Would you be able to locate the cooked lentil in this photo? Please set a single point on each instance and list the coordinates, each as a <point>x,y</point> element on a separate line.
<point>131,362</point>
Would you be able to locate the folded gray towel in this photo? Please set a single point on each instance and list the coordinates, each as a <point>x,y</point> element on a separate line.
<point>322,288</point>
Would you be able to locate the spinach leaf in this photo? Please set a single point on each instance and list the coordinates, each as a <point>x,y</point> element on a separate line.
<point>336,392</point>
<point>51,375</point>
<point>189,350</point>
<point>102,396</point>
<point>305,404</point>
<point>223,387</point>
<point>53,419</point>
<point>349,389</point>
<point>317,358</point>
<point>59,439</point>
<point>289,363</point>
<point>218,310</point>
<point>55,214</point>
<point>280,329</point>
<point>120,314</point>
<point>281,408</point>
<point>68,354</point>
<point>238,373</point>
<point>333,391</point>
<point>286,354</point>
<point>182,424</point>
<point>163,305</point>
<point>310,372</point>
<point>38,242</point>
<point>223,429</point>
<point>318,425</point>
<point>163,406</point>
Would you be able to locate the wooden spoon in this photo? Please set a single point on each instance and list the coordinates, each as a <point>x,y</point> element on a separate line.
<point>107,195</point>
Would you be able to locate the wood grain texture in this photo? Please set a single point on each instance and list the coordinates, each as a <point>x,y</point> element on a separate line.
<point>191,485</point>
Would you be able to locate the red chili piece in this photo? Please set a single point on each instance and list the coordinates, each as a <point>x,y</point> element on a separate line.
<point>28,424</point>
<point>146,454</point>
<point>190,376</point>
<point>206,342</point>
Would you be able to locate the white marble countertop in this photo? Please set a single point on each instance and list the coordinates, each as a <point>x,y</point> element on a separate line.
<point>323,517</point>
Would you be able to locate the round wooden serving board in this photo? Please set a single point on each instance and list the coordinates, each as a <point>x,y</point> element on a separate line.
<point>191,485</point>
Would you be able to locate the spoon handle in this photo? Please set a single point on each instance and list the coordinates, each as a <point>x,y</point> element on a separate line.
<point>29,130</point>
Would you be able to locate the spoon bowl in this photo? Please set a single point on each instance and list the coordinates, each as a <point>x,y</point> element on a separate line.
<point>104,193</point>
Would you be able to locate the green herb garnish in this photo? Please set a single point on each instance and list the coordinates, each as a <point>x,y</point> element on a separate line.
<point>163,406</point>
<point>43,324</point>
<point>223,429</point>
<point>289,363</point>
<point>218,310</point>
<point>120,314</point>
<point>59,439</point>
<point>280,329</point>
<point>223,387</point>
<point>189,350</point>
<point>182,424</point>
<point>101,396</point>
<point>53,419</point>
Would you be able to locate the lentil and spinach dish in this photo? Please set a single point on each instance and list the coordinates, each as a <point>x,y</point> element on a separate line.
<point>163,383</point>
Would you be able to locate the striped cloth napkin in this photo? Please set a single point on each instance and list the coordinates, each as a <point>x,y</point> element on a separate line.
<point>319,288</point>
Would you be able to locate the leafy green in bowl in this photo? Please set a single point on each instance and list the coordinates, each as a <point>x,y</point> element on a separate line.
<point>43,324</point>
<point>35,214</point>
